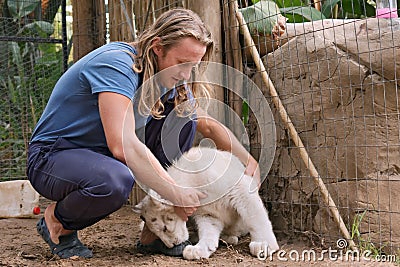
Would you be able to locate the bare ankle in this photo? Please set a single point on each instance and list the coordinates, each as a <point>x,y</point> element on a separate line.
<point>53,224</point>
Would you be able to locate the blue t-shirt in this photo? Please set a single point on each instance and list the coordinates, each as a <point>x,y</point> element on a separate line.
<point>72,111</point>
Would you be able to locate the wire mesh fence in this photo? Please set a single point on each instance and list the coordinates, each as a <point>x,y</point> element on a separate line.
<point>334,65</point>
<point>31,60</point>
<point>336,71</point>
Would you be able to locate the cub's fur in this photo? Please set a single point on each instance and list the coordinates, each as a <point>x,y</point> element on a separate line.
<point>230,210</point>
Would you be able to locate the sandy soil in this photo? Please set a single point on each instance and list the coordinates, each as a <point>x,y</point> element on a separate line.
<point>113,239</point>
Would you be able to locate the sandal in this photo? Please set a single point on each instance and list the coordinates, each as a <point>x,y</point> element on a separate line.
<point>158,247</point>
<point>69,245</point>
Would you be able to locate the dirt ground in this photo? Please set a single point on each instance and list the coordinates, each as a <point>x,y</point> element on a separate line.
<point>113,239</point>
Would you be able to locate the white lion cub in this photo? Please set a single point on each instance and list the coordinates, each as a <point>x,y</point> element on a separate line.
<point>229,211</point>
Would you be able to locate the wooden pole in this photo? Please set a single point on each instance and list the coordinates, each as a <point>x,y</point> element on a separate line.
<point>100,23</point>
<point>233,57</point>
<point>88,26</point>
<point>210,13</point>
<point>292,131</point>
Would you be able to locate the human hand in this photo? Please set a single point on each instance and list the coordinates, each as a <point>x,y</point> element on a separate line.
<point>184,213</point>
<point>253,170</point>
<point>190,200</point>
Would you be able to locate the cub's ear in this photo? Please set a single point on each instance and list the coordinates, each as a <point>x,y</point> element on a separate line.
<point>138,208</point>
<point>141,205</point>
<point>160,206</point>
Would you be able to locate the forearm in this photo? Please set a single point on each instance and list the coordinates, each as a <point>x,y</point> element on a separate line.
<point>223,138</point>
<point>148,171</point>
<point>119,128</point>
<point>229,142</point>
<point>244,156</point>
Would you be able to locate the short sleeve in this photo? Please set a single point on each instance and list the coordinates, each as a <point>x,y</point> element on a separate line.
<point>111,71</point>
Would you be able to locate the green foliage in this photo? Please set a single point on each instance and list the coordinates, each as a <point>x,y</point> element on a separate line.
<point>301,14</point>
<point>328,6</point>
<point>286,3</point>
<point>261,17</point>
<point>19,9</point>
<point>357,9</point>
<point>301,11</point>
<point>37,28</point>
<point>293,10</point>
<point>364,244</point>
<point>26,82</point>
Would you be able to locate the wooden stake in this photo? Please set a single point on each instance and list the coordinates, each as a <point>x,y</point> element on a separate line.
<point>293,133</point>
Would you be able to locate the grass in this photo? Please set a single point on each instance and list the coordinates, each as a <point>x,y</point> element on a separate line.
<point>367,244</point>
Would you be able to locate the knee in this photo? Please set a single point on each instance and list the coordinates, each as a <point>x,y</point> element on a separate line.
<point>121,185</point>
<point>115,187</point>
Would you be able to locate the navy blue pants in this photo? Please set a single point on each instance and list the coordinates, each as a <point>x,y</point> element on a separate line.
<point>89,184</point>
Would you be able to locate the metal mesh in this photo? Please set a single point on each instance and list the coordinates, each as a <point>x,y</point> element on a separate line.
<point>338,80</point>
<point>31,61</point>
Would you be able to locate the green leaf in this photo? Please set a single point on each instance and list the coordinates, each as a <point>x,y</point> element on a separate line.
<point>291,3</point>
<point>12,92</point>
<point>358,8</point>
<point>352,7</point>
<point>279,3</point>
<point>16,54</point>
<point>49,49</point>
<point>261,17</point>
<point>37,28</point>
<point>19,8</point>
<point>285,3</point>
<point>302,14</point>
<point>328,7</point>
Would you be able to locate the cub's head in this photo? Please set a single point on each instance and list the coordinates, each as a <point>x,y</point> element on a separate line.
<point>162,220</point>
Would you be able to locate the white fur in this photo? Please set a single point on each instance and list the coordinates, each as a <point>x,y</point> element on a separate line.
<point>230,210</point>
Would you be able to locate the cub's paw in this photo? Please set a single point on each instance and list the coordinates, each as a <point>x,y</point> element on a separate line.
<point>230,239</point>
<point>261,249</point>
<point>195,253</point>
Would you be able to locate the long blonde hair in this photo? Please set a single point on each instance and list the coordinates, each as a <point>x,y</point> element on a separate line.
<point>170,28</point>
